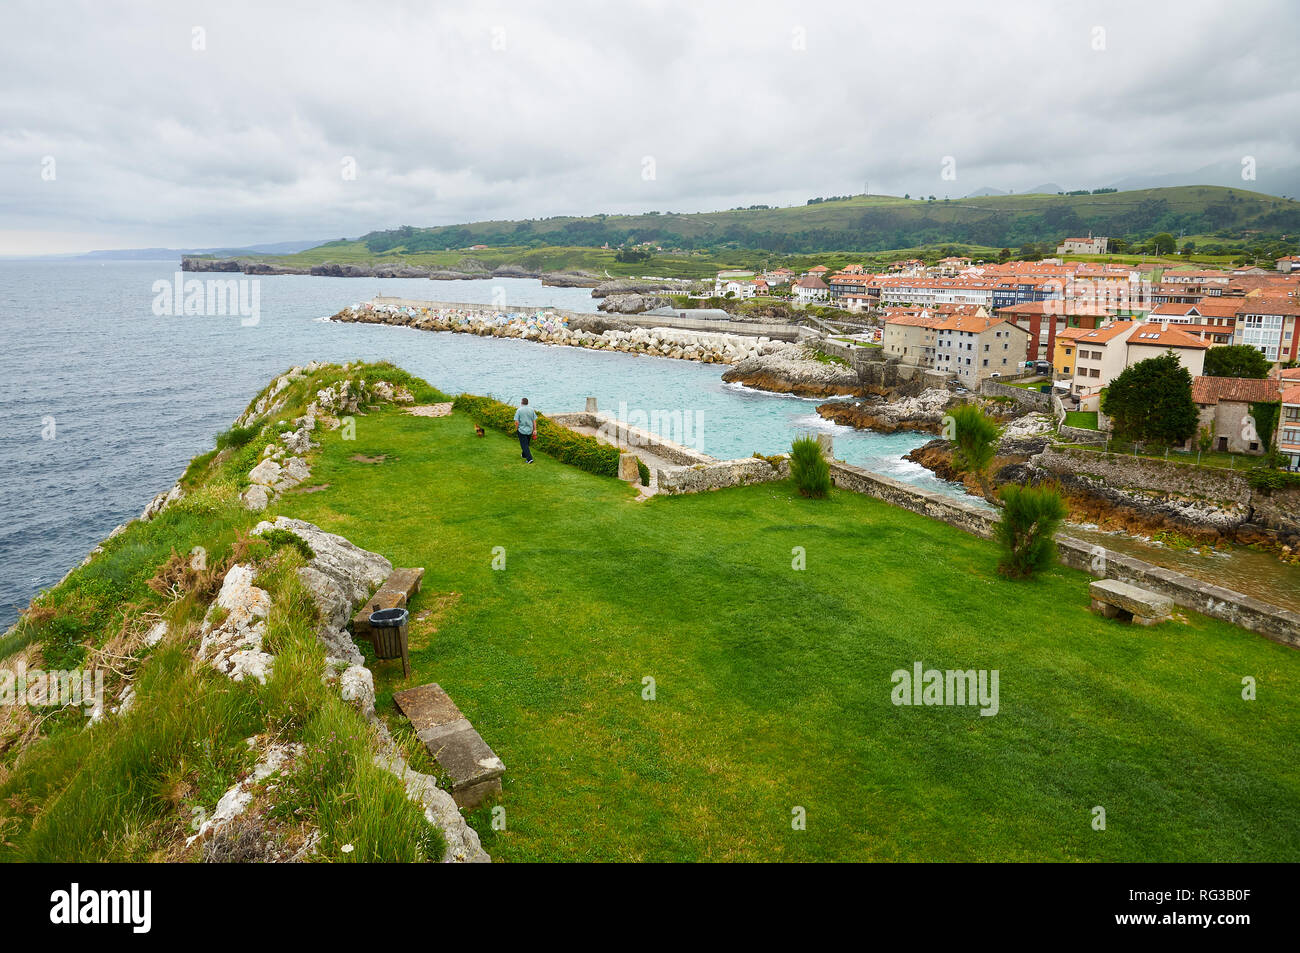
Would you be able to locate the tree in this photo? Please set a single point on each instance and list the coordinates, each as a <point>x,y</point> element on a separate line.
<point>1163,244</point>
<point>1236,360</point>
<point>1027,530</point>
<point>976,439</point>
<point>1152,401</point>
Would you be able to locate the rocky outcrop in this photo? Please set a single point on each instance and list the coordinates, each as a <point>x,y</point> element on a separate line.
<point>632,303</point>
<point>923,412</point>
<point>240,265</point>
<point>230,638</point>
<point>339,576</point>
<point>786,368</point>
<point>569,279</point>
<point>640,286</point>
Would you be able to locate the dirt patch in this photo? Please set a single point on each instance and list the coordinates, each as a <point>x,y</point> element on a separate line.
<point>430,410</point>
<point>424,624</point>
<point>315,488</point>
<point>362,458</point>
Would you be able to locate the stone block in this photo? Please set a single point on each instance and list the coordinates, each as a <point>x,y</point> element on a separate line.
<point>473,768</point>
<point>405,581</point>
<point>1114,599</point>
<point>628,471</point>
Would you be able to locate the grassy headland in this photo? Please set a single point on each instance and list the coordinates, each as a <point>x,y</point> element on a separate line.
<point>772,685</point>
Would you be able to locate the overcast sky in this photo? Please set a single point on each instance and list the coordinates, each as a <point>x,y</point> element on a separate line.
<point>204,124</point>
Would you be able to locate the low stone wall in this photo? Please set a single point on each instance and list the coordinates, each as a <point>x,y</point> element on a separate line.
<point>718,475</point>
<point>1280,625</point>
<point>632,438</point>
<point>1144,473</point>
<point>1080,435</point>
<point>1026,400</point>
<point>969,517</point>
<point>849,352</point>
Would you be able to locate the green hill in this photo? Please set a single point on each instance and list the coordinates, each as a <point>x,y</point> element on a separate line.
<point>878,223</point>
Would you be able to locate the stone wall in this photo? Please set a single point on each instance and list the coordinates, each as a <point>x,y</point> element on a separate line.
<point>1280,625</point>
<point>1080,435</point>
<point>967,516</point>
<point>631,438</point>
<point>715,476</point>
<point>1143,473</point>
<point>1279,511</point>
<point>1026,400</point>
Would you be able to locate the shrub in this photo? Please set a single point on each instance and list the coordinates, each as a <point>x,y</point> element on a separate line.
<point>287,537</point>
<point>643,471</point>
<point>976,437</point>
<point>1267,481</point>
<point>237,437</point>
<point>1030,518</point>
<point>811,472</point>
<point>579,450</point>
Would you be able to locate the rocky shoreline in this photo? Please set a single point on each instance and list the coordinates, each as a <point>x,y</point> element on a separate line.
<point>250,266</point>
<point>1135,511</point>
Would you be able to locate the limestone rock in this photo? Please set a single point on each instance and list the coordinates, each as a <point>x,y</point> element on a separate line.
<point>256,497</point>
<point>266,473</point>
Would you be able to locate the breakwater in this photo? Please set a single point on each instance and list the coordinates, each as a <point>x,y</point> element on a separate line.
<point>568,328</point>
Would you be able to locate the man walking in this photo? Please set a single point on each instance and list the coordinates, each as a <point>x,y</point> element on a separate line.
<point>526,424</point>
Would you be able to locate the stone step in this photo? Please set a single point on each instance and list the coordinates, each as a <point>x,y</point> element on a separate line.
<point>474,769</point>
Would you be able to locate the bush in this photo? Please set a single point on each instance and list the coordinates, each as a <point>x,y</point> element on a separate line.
<point>1030,518</point>
<point>811,472</point>
<point>643,471</point>
<point>237,437</point>
<point>1267,481</point>
<point>575,449</point>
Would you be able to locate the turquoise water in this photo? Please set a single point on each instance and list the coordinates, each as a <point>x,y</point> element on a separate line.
<point>129,397</point>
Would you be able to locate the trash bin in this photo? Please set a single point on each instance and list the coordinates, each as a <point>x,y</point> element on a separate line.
<point>388,632</point>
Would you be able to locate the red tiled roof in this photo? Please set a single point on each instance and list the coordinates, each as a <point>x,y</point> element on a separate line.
<point>1153,335</point>
<point>1242,390</point>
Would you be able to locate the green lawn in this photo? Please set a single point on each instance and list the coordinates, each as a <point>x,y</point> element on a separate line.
<point>1083,419</point>
<point>773,685</point>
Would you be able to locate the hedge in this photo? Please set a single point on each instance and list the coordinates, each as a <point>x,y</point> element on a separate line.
<point>575,449</point>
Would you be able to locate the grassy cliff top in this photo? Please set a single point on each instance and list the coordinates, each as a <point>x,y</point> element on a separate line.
<point>551,595</point>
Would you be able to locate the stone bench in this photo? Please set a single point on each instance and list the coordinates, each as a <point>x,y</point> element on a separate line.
<point>397,590</point>
<point>1121,600</point>
<point>474,769</point>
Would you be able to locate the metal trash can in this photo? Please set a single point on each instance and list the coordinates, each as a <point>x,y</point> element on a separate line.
<point>388,633</point>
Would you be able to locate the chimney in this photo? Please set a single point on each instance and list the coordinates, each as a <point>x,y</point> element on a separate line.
<point>1164,325</point>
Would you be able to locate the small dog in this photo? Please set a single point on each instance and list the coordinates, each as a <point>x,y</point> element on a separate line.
<point>478,431</point>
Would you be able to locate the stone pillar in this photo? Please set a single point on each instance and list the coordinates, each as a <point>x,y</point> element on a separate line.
<point>827,442</point>
<point>627,468</point>
<point>591,405</point>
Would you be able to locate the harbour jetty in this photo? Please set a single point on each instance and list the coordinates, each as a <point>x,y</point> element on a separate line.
<point>659,335</point>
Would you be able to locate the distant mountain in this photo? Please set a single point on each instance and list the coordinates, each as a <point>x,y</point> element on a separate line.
<point>168,254</point>
<point>1282,181</point>
<point>1051,188</point>
<point>875,223</point>
<point>978,193</point>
